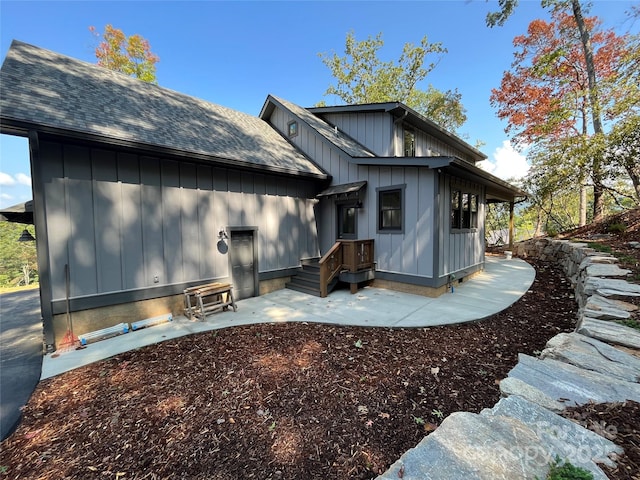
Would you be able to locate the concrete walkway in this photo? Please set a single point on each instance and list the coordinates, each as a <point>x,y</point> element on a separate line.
<point>502,283</point>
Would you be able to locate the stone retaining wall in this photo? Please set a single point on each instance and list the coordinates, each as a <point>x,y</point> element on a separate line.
<point>594,275</point>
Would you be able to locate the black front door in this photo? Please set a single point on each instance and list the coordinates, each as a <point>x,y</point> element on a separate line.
<point>242,264</point>
<point>347,222</point>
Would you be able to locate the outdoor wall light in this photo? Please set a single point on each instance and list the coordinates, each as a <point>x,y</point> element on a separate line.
<point>222,234</point>
<point>26,236</point>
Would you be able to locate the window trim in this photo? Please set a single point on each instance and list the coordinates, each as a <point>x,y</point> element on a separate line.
<point>379,192</point>
<point>464,215</point>
<point>292,128</point>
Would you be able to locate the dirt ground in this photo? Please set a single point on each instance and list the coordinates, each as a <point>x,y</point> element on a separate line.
<point>296,401</point>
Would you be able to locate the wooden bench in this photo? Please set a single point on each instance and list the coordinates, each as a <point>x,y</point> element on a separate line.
<point>204,299</point>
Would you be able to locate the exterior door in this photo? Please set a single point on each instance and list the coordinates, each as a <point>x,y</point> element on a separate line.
<point>243,264</point>
<point>347,225</point>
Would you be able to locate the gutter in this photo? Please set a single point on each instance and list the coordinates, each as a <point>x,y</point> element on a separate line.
<point>18,128</point>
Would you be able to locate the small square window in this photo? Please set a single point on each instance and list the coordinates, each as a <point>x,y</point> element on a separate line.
<point>292,128</point>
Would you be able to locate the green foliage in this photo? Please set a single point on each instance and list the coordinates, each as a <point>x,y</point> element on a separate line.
<point>18,262</point>
<point>551,231</point>
<point>437,413</point>
<point>559,470</point>
<point>629,322</point>
<point>622,152</point>
<point>361,77</point>
<point>616,228</point>
<point>599,247</point>
<point>501,16</point>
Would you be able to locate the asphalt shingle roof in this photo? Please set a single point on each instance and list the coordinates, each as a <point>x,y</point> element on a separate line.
<point>42,88</point>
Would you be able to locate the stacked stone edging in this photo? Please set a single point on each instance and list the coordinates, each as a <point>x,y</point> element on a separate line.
<point>523,433</point>
<point>592,274</point>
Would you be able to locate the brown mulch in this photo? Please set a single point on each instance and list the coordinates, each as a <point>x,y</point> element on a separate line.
<point>620,423</point>
<point>286,401</point>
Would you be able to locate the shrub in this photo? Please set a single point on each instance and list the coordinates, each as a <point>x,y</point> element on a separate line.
<point>599,247</point>
<point>616,228</point>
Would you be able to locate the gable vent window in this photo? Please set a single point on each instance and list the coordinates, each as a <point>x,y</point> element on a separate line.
<point>464,210</point>
<point>292,128</point>
<point>409,143</point>
<point>390,209</point>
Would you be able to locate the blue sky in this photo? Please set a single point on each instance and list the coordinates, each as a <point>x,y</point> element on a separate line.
<point>235,53</point>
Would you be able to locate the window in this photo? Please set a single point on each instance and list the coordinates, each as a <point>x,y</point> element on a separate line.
<point>464,210</point>
<point>390,214</point>
<point>347,221</point>
<point>455,209</point>
<point>292,128</point>
<point>409,143</point>
<point>474,211</point>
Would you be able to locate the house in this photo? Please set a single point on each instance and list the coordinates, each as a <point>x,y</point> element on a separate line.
<point>141,191</point>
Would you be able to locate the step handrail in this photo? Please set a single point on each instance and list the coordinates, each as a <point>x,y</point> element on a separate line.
<point>330,267</point>
<point>352,255</point>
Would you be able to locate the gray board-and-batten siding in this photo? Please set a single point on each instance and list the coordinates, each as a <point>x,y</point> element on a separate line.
<point>127,222</point>
<point>427,251</point>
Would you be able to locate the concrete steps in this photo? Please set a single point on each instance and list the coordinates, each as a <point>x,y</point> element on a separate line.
<point>522,434</point>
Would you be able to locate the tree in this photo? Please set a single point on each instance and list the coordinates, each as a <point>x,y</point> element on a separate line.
<point>555,87</point>
<point>623,151</point>
<point>361,77</point>
<point>18,263</point>
<point>129,55</point>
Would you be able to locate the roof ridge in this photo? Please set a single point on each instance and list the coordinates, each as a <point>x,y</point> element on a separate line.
<point>45,89</point>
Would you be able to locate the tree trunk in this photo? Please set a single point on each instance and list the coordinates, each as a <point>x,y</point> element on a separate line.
<point>585,37</point>
<point>583,205</point>
<point>632,167</point>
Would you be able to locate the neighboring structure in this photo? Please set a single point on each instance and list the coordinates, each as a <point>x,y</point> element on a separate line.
<point>20,213</point>
<point>140,191</point>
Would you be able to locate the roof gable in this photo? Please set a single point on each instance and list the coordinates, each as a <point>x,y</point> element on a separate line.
<point>402,112</point>
<point>46,90</point>
<point>338,138</point>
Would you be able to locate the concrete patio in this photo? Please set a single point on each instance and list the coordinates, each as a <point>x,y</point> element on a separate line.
<point>502,283</point>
